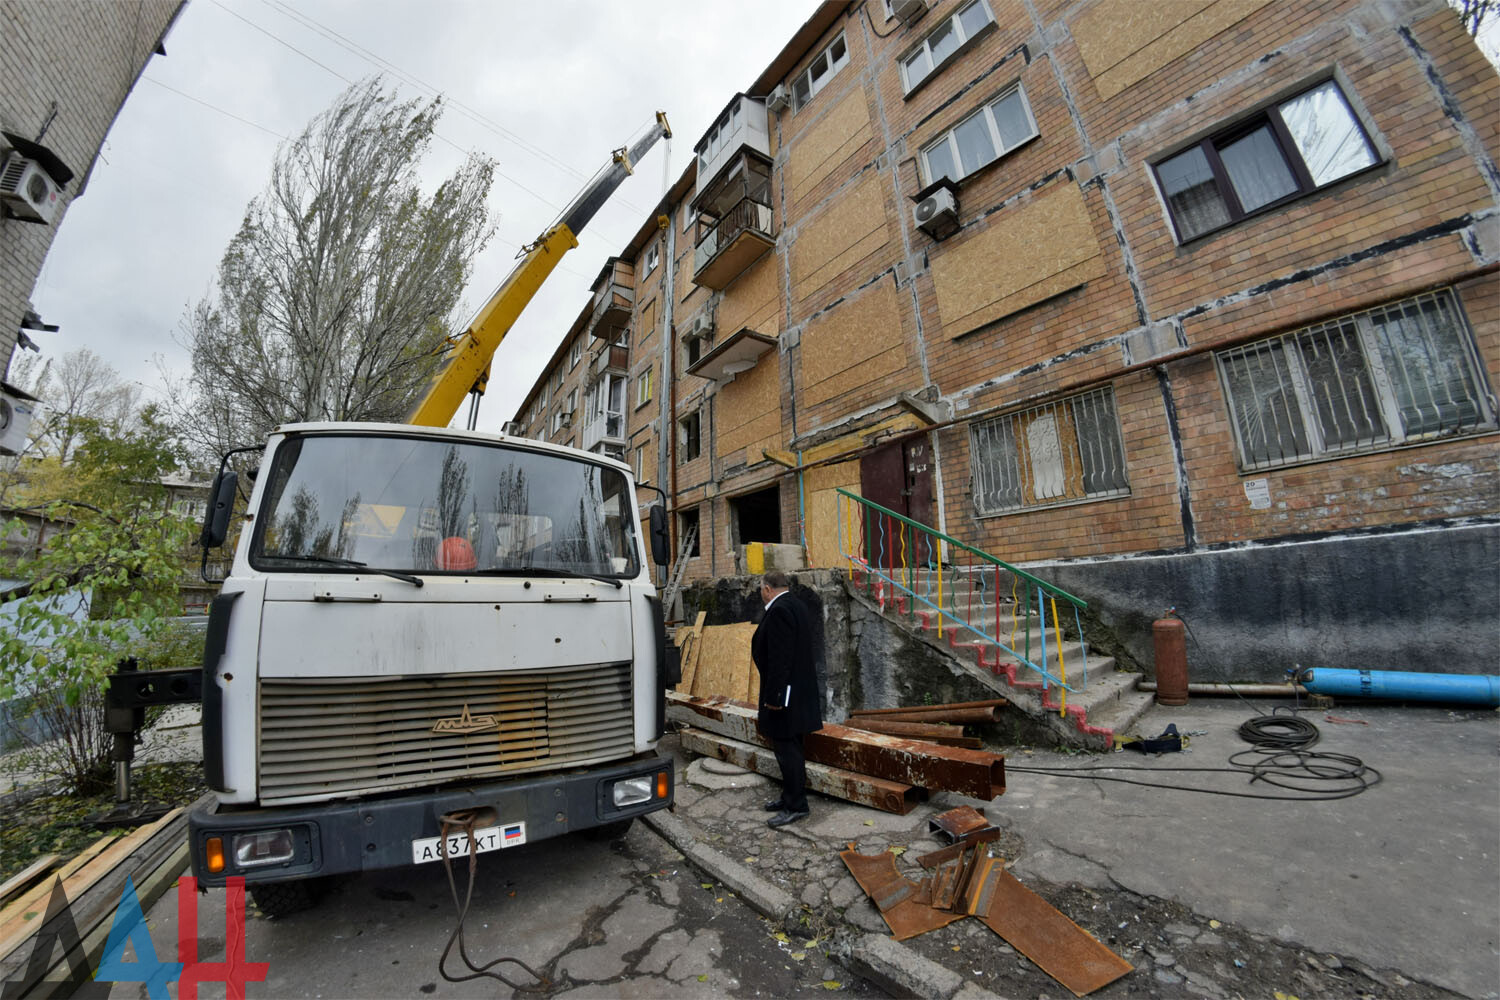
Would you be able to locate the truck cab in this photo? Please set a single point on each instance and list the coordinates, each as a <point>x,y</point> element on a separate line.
<point>420,624</point>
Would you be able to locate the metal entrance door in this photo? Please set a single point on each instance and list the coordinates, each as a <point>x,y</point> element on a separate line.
<point>899,478</point>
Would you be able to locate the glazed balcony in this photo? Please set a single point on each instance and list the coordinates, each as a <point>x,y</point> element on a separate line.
<point>614,298</point>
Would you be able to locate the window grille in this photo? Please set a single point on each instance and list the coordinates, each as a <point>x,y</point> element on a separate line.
<point>1402,372</point>
<point>1057,453</point>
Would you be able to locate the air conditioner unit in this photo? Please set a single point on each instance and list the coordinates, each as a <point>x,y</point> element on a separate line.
<point>28,191</point>
<point>908,10</point>
<point>514,428</point>
<point>703,325</point>
<point>937,214</point>
<point>566,420</point>
<point>779,99</point>
<point>16,409</point>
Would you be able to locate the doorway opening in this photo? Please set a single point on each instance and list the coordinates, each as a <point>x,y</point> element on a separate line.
<point>757,516</point>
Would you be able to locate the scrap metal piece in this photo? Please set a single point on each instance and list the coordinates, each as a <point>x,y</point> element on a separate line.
<point>877,876</point>
<point>888,796</point>
<point>955,716</point>
<point>955,824</point>
<point>1036,929</point>
<point>975,773</point>
<point>948,735</point>
<point>990,703</point>
<point>934,858</point>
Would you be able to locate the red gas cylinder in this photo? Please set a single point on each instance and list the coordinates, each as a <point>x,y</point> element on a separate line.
<point>1170,639</point>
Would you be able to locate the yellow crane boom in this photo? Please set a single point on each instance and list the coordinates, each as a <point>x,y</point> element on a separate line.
<point>465,367</point>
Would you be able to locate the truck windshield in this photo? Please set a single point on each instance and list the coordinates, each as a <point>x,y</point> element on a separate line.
<point>340,503</point>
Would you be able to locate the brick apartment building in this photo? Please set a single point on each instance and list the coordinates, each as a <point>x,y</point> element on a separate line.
<point>1187,304</point>
<point>66,68</point>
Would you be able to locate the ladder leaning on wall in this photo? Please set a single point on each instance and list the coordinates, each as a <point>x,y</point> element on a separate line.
<point>679,566</point>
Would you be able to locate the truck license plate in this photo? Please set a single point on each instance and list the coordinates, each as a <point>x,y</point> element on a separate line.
<point>491,838</point>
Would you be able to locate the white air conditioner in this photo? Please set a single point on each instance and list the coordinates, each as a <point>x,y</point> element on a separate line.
<point>16,409</point>
<point>779,99</point>
<point>27,190</point>
<point>565,420</point>
<point>937,214</point>
<point>514,428</point>
<point>702,326</point>
<point>908,10</point>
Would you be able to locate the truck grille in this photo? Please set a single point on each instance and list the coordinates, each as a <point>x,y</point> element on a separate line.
<point>328,737</point>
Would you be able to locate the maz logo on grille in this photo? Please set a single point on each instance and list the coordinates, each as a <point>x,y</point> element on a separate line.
<point>465,723</point>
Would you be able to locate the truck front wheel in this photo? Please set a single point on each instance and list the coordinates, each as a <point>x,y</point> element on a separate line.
<point>282,899</point>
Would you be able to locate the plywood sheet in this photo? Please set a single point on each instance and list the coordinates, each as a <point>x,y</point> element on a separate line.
<point>748,414</point>
<point>753,299</point>
<point>1031,252</point>
<point>823,549</point>
<point>836,137</point>
<point>852,345</point>
<point>852,228</point>
<point>724,663</point>
<point>1123,41</point>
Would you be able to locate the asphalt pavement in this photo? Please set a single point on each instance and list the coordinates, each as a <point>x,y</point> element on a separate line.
<point>1394,891</point>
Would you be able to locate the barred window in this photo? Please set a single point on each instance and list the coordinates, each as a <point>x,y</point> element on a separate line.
<point>1403,372</point>
<point>1062,452</point>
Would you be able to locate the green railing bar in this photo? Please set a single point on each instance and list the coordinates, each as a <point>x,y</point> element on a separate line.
<point>1050,588</point>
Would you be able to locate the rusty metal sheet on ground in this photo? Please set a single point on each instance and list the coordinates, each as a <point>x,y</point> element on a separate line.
<point>955,824</point>
<point>906,916</point>
<point>1036,929</point>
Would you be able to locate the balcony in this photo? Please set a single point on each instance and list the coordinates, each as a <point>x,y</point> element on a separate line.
<point>614,297</point>
<point>610,358</point>
<point>738,353</point>
<point>604,427</point>
<point>743,124</point>
<point>732,243</point>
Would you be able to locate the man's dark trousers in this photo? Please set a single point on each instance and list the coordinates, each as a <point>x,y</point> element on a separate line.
<point>792,761</point>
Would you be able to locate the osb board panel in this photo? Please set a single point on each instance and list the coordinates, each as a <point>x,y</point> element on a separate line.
<point>1030,252</point>
<point>830,142</point>
<point>748,412</point>
<point>1122,41</point>
<point>724,663</point>
<point>822,511</point>
<point>648,320</point>
<point>852,345</point>
<point>851,229</point>
<point>752,300</point>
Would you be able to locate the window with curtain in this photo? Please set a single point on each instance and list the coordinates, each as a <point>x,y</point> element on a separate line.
<point>1291,149</point>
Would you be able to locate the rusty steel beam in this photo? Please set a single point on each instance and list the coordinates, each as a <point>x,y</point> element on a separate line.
<point>992,703</point>
<point>888,796</point>
<point>975,773</point>
<point>948,736</point>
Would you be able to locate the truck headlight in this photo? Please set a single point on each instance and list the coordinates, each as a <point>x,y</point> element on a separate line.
<point>267,847</point>
<point>632,791</point>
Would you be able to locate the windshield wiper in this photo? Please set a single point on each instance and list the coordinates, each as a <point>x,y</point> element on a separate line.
<point>546,571</point>
<point>415,581</point>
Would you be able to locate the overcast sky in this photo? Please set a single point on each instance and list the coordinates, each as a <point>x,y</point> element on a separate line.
<point>553,87</point>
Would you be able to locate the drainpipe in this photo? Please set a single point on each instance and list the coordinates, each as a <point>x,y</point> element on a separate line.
<point>666,450</point>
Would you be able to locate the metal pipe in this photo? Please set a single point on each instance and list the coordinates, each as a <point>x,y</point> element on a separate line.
<point>1470,689</point>
<point>991,703</point>
<point>1255,690</point>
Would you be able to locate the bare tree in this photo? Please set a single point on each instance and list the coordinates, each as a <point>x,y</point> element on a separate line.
<point>339,289</point>
<point>78,390</point>
<point>1474,12</point>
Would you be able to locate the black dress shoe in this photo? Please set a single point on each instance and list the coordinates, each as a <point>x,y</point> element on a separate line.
<point>787,816</point>
<point>774,806</point>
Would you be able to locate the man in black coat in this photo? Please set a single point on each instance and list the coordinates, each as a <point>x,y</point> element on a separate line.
<point>782,649</point>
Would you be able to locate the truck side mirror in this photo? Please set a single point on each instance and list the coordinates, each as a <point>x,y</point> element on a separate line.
<point>661,552</point>
<point>216,519</point>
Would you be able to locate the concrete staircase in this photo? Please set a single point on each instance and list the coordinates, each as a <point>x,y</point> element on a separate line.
<point>1104,703</point>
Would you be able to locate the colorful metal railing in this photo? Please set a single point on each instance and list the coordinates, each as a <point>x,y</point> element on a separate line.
<point>969,590</point>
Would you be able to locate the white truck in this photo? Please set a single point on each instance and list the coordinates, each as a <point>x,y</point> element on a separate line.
<point>426,630</point>
<point>419,623</point>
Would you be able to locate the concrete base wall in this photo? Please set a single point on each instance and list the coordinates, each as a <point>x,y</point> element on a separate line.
<point>1425,600</point>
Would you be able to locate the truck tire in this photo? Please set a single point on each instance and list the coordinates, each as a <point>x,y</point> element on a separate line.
<point>609,831</point>
<point>282,899</point>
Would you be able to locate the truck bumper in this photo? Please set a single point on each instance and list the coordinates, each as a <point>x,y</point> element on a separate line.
<point>364,834</point>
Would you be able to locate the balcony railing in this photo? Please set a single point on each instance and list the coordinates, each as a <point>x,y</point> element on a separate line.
<point>735,242</point>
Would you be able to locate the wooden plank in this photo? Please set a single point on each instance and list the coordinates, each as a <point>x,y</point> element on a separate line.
<point>28,876</point>
<point>724,665</point>
<point>37,895</point>
<point>12,933</point>
<point>690,657</point>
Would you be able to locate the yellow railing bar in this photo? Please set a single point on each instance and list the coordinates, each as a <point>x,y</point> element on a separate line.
<point>1062,667</point>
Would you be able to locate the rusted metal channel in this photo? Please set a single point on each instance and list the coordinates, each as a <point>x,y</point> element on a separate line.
<point>888,796</point>
<point>959,716</point>
<point>975,773</point>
